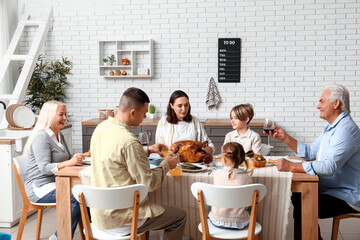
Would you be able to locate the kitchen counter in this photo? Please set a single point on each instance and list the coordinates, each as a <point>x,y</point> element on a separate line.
<point>255,122</point>
<point>216,129</point>
<point>12,141</point>
<point>7,141</point>
<point>258,122</point>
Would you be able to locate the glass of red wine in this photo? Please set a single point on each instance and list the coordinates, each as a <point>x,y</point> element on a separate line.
<point>268,125</point>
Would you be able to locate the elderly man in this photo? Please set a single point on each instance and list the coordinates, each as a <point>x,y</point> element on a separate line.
<point>119,159</point>
<point>334,157</point>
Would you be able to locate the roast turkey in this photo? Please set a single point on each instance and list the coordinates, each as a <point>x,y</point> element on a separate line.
<point>191,151</point>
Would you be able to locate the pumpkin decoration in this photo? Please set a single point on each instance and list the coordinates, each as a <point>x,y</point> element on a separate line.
<point>124,73</point>
<point>118,72</point>
<point>111,73</point>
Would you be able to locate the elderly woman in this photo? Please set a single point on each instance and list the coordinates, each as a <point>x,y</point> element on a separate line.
<point>179,125</point>
<point>47,153</point>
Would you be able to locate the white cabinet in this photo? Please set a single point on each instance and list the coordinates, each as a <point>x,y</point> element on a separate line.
<point>139,52</point>
<point>11,200</point>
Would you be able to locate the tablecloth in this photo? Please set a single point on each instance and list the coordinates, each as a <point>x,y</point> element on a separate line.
<point>273,209</point>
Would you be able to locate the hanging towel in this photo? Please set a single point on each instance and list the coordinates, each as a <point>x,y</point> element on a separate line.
<point>213,96</point>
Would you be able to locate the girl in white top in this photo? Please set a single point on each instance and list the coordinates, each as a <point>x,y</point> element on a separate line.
<point>179,125</point>
<point>240,117</point>
<point>232,155</point>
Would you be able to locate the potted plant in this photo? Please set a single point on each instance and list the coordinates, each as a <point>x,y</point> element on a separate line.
<point>48,82</point>
<point>111,59</point>
<point>105,60</point>
<point>152,111</point>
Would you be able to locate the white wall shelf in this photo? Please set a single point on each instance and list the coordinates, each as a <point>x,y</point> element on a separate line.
<point>139,52</point>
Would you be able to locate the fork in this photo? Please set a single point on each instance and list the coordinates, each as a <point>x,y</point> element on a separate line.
<point>251,172</point>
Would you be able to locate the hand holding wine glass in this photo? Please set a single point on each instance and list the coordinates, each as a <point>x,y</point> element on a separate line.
<point>269,125</point>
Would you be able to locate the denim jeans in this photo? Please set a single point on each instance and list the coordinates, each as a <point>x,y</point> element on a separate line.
<point>75,208</point>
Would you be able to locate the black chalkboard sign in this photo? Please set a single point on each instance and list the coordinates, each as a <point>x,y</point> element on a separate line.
<point>229,60</point>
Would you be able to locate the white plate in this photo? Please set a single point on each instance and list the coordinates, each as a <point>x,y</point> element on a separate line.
<point>294,160</point>
<point>152,166</point>
<point>275,158</point>
<point>203,168</point>
<point>87,160</point>
<point>23,117</point>
<point>155,157</point>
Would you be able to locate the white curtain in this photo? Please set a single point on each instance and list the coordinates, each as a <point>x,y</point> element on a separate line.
<point>4,43</point>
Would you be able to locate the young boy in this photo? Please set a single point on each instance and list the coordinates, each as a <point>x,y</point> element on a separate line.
<point>240,117</point>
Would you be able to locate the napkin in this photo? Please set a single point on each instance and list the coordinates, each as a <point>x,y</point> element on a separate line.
<point>213,95</point>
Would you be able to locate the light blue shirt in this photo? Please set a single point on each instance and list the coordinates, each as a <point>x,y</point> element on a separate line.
<point>338,164</point>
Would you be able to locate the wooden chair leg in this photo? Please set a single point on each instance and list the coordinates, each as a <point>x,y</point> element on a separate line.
<point>143,236</point>
<point>335,228</point>
<point>22,222</point>
<point>39,220</point>
<point>81,229</point>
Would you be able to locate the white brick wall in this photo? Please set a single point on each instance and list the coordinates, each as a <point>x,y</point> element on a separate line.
<point>290,50</point>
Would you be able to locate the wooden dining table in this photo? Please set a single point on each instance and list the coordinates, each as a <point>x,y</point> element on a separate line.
<point>305,184</point>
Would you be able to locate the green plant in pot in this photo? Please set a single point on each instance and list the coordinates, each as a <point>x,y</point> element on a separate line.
<point>152,111</point>
<point>111,59</point>
<point>48,82</point>
<point>105,60</point>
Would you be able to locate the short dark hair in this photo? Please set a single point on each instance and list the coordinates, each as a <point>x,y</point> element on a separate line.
<point>170,113</point>
<point>133,98</point>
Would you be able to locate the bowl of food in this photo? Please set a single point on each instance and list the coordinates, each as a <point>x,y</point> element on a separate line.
<point>259,160</point>
<point>125,61</point>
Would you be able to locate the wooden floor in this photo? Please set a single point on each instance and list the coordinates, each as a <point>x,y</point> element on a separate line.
<point>349,228</point>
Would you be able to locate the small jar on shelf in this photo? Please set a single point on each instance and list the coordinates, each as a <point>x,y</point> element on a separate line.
<point>102,114</point>
<point>110,113</point>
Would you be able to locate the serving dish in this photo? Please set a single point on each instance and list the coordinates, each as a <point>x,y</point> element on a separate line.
<point>203,168</point>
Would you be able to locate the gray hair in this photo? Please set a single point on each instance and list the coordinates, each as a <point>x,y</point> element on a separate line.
<point>339,92</point>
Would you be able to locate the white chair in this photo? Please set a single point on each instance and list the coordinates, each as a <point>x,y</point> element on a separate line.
<point>336,223</point>
<point>228,197</point>
<point>110,198</point>
<point>19,168</point>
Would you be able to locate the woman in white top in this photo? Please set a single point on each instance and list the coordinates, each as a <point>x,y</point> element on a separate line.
<point>179,125</point>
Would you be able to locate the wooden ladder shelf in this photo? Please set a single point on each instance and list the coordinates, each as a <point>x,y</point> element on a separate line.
<point>30,59</point>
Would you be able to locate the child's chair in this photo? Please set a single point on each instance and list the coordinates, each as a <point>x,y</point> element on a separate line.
<point>228,197</point>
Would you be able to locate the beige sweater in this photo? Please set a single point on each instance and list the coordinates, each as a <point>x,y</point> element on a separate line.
<point>234,177</point>
<point>118,159</point>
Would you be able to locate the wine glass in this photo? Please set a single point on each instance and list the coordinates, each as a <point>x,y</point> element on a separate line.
<point>143,138</point>
<point>268,125</point>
